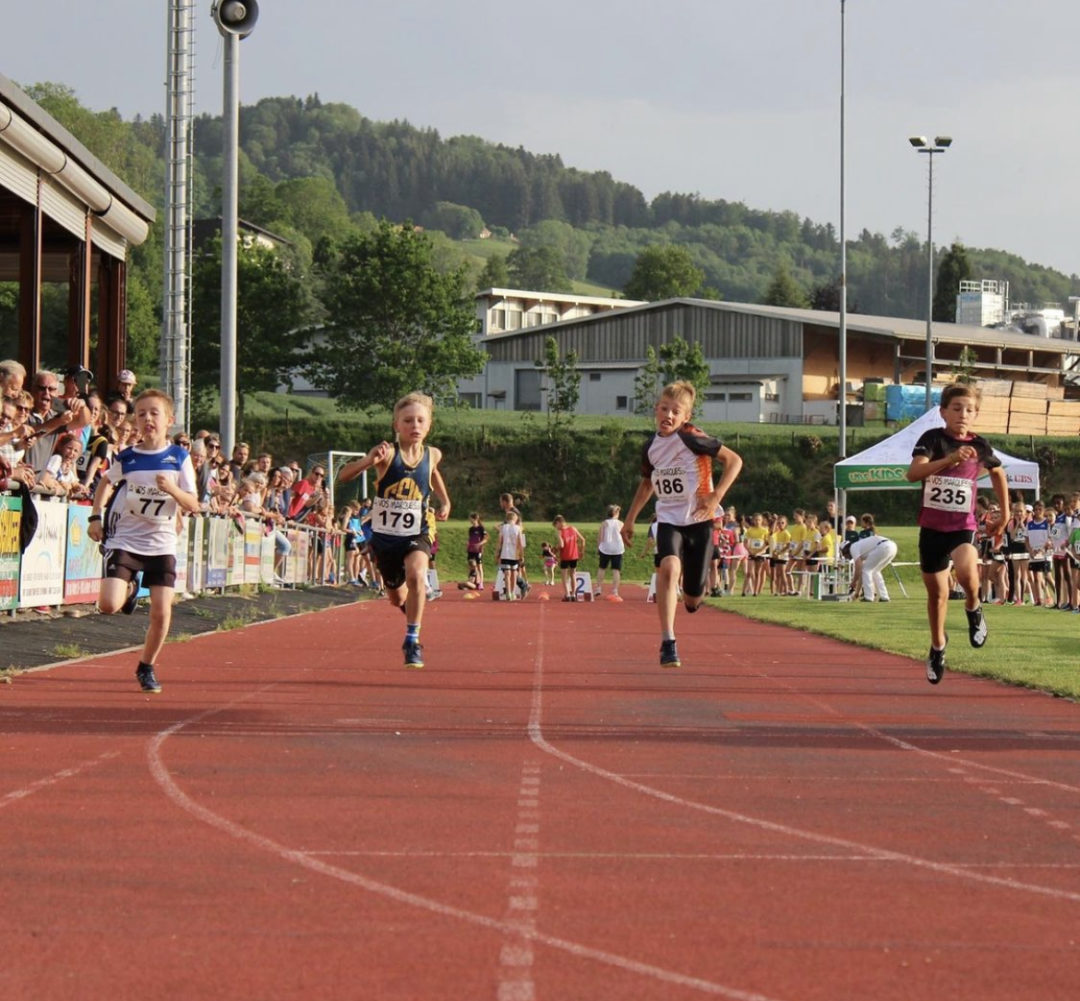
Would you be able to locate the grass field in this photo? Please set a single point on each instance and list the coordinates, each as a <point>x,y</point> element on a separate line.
<point>1033,647</point>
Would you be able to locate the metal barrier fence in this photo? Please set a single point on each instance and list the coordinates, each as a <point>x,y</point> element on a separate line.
<point>62,565</point>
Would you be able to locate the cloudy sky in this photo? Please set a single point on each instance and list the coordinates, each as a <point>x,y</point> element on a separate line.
<point>733,100</point>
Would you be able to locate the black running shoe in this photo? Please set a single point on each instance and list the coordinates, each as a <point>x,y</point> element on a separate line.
<point>669,656</point>
<point>129,606</point>
<point>935,666</point>
<point>148,682</point>
<point>413,654</point>
<point>976,626</point>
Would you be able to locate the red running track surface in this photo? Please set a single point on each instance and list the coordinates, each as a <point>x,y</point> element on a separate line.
<point>541,813</point>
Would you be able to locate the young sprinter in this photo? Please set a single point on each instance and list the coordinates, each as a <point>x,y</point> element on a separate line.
<point>134,515</point>
<point>407,478</point>
<point>676,465</point>
<point>948,462</point>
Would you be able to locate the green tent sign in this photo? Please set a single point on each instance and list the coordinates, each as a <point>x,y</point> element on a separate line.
<point>879,476</point>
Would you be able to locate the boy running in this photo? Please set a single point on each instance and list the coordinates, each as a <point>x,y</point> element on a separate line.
<point>676,464</point>
<point>407,478</point>
<point>138,496</point>
<point>948,462</point>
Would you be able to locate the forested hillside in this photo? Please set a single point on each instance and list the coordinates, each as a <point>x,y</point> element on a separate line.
<point>319,172</point>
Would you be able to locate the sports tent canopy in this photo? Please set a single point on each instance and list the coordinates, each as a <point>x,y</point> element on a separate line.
<point>883,466</point>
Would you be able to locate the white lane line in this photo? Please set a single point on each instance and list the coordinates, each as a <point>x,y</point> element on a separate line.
<point>515,975</point>
<point>17,795</point>
<point>526,927</point>
<point>537,736</point>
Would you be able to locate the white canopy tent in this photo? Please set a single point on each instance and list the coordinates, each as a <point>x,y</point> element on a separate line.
<point>883,466</point>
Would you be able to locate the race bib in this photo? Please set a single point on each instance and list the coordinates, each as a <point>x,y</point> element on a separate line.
<point>671,483</point>
<point>150,503</point>
<point>392,516</point>
<point>948,493</point>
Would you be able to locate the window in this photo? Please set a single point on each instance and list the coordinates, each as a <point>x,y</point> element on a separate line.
<point>622,402</point>
<point>474,400</point>
<point>498,319</point>
<point>527,389</point>
<point>716,397</point>
<point>741,397</point>
<point>513,317</point>
<point>594,377</point>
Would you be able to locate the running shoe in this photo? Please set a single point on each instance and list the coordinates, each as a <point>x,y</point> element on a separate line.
<point>976,626</point>
<point>413,654</point>
<point>669,656</point>
<point>148,682</point>
<point>129,606</point>
<point>935,664</point>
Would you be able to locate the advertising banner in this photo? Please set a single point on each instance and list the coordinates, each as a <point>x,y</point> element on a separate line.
<point>42,579</point>
<point>10,518</point>
<point>253,537</point>
<point>196,565</point>
<point>217,551</point>
<point>83,563</point>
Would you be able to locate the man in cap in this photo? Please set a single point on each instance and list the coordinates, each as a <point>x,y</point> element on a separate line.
<point>125,382</point>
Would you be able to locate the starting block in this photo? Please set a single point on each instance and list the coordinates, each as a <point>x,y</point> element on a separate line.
<point>583,585</point>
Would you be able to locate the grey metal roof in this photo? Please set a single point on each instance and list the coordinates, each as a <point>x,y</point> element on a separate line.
<point>48,126</point>
<point>892,327</point>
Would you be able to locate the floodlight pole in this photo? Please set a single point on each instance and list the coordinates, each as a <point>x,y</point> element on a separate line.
<point>923,145</point>
<point>235,20</point>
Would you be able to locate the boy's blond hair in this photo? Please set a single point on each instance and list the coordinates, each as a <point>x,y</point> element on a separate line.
<point>157,394</point>
<point>414,399</point>
<point>955,390</point>
<point>683,391</point>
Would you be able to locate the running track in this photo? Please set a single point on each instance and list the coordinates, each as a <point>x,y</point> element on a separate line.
<point>541,813</point>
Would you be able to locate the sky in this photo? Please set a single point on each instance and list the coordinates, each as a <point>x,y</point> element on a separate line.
<point>739,101</point>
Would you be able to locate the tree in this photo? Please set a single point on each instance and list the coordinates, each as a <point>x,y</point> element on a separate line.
<point>459,222</point>
<point>647,383</point>
<point>676,360</point>
<point>954,269</point>
<point>539,269</point>
<point>273,307</point>
<point>664,272</point>
<point>563,381</point>
<point>394,323</point>
<point>495,273</point>
<point>783,290</point>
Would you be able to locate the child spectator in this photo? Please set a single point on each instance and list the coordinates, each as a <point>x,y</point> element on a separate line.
<point>474,550</point>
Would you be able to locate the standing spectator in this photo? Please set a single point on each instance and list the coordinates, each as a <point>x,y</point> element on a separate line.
<point>47,421</point>
<point>238,462</point>
<point>611,548</point>
<point>306,493</point>
<point>12,377</point>
<point>125,385</point>
<point>851,528</point>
